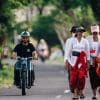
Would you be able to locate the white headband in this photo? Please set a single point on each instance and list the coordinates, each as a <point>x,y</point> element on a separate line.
<point>95,29</point>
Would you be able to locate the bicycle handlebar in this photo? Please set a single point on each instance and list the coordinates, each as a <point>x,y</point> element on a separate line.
<point>24,58</point>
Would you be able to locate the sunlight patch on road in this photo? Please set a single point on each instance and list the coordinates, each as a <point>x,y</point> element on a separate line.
<point>58,96</point>
<point>67,91</point>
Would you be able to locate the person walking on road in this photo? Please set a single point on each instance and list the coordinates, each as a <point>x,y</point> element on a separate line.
<point>73,33</point>
<point>94,43</point>
<point>78,55</point>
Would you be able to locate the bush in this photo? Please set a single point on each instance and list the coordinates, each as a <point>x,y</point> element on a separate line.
<point>6,76</point>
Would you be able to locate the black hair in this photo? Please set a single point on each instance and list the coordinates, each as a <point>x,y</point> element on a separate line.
<point>73,29</point>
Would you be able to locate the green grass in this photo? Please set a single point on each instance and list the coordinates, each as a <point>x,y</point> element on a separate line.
<point>6,76</point>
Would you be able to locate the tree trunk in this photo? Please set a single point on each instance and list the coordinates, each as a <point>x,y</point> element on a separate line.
<point>40,9</point>
<point>62,34</point>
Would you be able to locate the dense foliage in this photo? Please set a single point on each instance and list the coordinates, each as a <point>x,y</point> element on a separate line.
<point>78,12</point>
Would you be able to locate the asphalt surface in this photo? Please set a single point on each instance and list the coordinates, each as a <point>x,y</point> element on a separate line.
<point>51,84</point>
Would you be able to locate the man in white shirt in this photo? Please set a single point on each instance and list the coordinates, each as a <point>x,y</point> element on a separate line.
<point>73,30</point>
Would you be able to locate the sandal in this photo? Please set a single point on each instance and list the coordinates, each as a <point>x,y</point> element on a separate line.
<point>94,98</point>
<point>75,98</point>
<point>82,96</point>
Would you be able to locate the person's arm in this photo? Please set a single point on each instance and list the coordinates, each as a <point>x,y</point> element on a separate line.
<point>65,55</point>
<point>68,50</point>
<point>88,64</point>
<point>66,65</point>
<point>14,52</point>
<point>65,50</point>
<point>88,54</point>
<point>34,52</point>
<point>35,55</point>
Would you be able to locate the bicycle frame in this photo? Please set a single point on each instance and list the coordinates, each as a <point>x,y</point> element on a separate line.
<point>25,67</point>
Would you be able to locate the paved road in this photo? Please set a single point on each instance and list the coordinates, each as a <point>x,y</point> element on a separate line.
<point>51,83</point>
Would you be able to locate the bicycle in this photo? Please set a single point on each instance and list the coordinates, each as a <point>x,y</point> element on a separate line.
<point>24,68</point>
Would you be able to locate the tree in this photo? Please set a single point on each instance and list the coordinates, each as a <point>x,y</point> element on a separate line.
<point>43,27</point>
<point>40,4</point>
<point>7,18</point>
<point>6,15</point>
<point>95,4</point>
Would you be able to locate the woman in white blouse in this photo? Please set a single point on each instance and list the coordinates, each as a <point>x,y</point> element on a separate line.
<point>94,43</point>
<point>78,55</point>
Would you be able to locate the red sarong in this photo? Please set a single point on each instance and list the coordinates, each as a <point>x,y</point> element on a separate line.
<point>77,75</point>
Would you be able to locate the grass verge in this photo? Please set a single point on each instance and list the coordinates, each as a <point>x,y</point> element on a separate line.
<point>6,76</point>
